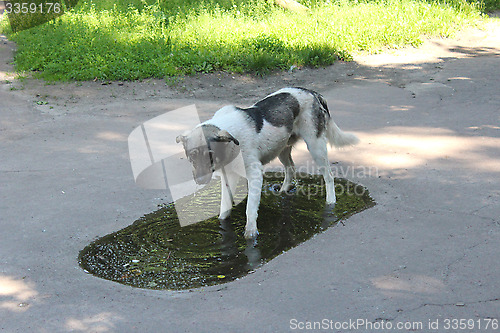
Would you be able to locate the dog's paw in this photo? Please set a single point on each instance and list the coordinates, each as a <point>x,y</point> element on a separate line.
<point>285,188</point>
<point>225,215</point>
<point>251,233</point>
<point>331,200</point>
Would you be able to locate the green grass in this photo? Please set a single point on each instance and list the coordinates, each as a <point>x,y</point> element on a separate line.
<point>127,40</point>
<point>489,5</point>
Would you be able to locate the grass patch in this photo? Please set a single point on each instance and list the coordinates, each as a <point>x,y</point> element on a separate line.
<point>489,5</point>
<point>127,40</point>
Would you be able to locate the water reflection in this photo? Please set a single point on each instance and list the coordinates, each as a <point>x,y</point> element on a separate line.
<point>155,252</point>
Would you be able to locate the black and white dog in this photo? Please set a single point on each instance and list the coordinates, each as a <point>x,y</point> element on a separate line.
<point>262,132</point>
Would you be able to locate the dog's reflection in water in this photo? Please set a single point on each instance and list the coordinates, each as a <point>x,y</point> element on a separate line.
<point>229,249</point>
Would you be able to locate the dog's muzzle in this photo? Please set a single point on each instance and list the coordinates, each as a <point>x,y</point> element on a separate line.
<point>202,179</point>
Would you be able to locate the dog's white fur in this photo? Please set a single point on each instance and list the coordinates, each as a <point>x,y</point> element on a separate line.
<point>259,148</point>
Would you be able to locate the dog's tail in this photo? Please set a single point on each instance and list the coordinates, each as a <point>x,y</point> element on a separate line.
<point>336,137</point>
<point>339,138</point>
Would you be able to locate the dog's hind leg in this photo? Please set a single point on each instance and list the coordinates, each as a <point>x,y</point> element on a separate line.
<point>254,176</point>
<point>229,181</point>
<point>318,149</point>
<point>286,158</point>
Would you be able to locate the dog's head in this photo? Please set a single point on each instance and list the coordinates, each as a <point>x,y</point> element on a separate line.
<point>208,148</point>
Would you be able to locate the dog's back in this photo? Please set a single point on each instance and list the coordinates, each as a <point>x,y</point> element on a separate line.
<point>274,122</point>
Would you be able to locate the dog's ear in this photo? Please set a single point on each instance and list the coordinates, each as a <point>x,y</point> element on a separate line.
<point>180,138</point>
<point>224,136</point>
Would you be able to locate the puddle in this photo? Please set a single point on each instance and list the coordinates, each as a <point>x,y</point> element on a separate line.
<point>156,253</point>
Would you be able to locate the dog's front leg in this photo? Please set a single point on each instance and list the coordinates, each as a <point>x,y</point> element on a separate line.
<point>229,180</point>
<point>254,176</point>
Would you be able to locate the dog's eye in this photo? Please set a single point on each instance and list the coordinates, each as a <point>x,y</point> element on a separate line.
<point>193,153</point>
<point>197,154</point>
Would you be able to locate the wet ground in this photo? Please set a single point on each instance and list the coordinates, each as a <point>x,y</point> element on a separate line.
<point>156,252</point>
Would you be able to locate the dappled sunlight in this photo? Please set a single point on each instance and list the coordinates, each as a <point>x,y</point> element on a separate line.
<point>15,294</point>
<point>401,107</point>
<point>6,76</point>
<point>395,148</point>
<point>6,52</point>
<point>407,147</point>
<point>484,126</point>
<point>88,150</point>
<point>172,126</point>
<point>399,286</point>
<point>390,160</point>
<point>111,136</point>
<point>459,78</point>
<point>481,42</point>
<point>102,322</point>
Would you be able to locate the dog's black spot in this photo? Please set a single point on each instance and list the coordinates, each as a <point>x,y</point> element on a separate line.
<point>279,110</point>
<point>293,139</point>
<point>319,121</point>
<point>209,130</point>
<point>321,114</point>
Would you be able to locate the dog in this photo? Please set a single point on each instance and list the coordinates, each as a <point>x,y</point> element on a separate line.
<point>262,132</point>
